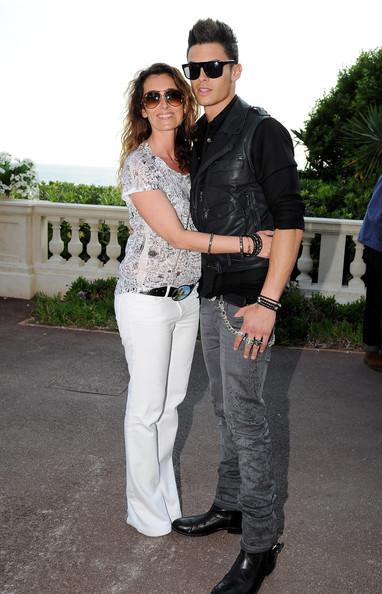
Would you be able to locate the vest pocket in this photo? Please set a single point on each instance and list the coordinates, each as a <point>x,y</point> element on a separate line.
<point>228,170</point>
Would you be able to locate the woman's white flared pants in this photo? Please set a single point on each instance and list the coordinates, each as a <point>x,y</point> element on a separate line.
<point>158,335</point>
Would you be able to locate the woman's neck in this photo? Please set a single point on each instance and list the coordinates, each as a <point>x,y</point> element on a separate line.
<point>163,146</point>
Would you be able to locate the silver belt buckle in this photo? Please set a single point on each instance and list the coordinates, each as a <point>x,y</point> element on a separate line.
<point>182,292</point>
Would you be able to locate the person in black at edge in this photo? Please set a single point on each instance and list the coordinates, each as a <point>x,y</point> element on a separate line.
<point>243,179</point>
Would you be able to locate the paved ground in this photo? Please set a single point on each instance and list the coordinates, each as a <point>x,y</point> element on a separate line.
<point>62,472</point>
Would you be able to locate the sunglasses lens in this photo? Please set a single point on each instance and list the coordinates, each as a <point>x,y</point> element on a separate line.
<point>151,99</point>
<point>191,71</point>
<point>194,71</point>
<point>174,97</point>
<point>213,69</point>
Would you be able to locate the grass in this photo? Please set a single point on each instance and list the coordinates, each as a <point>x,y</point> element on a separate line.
<point>317,321</point>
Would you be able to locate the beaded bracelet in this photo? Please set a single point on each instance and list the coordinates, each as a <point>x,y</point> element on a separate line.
<point>257,245</point>
<point>268,303</point>
<point>241,244</point>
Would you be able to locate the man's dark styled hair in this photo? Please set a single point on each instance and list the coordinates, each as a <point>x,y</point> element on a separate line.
<point>210,31</point>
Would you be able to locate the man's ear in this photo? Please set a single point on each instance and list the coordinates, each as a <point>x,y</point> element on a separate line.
<point>236,72</point>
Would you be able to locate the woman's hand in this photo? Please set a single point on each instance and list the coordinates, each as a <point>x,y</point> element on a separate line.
<point>266,238</point>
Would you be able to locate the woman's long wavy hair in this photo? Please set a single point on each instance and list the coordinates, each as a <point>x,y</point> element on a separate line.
<point>136,128</point>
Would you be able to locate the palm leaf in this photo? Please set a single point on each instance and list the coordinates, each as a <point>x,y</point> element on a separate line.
<point>363,138</point>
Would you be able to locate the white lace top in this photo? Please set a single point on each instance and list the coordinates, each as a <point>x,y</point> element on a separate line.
<point>150,262</point>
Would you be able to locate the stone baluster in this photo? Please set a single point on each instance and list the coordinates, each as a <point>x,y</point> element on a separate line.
<point>331,262</point>
<point>75,246</point>
<point>56,244</point>
<point>113,249</point>
<point>357,267</point>
<point>305,262</point>
<point>93,248</point>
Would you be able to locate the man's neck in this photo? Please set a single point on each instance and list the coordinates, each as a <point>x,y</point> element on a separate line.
<point>212,111</point>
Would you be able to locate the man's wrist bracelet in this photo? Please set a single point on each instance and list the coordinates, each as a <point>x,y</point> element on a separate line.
<point>268,303</point>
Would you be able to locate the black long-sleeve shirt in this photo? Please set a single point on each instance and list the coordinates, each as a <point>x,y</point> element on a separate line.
<point>276,171</point>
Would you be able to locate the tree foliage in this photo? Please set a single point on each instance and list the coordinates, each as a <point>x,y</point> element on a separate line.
<point>363,141</point>
<point>357,88</point>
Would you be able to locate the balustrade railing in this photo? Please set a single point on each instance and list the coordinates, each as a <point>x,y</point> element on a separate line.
<point>44,246</point>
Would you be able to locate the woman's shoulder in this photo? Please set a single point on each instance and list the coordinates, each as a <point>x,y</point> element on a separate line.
<point>141,154</point>
<point>140,162</point>
<point>140,170</point>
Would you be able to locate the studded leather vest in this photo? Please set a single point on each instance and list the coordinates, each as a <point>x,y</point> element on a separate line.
<point>226,198</point>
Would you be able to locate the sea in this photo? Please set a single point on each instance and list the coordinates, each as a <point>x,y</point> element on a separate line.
<point>77,174</point>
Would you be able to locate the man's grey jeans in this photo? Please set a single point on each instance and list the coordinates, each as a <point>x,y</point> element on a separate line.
<point>245,480</point>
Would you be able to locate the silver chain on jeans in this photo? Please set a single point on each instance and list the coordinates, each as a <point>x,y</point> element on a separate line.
<point>220,304</point>
<point>227,324</point>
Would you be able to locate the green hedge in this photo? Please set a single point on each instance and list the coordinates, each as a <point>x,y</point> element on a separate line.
<point>342,199</point>
<point>80,193</point>
<point>85,305</point>
<point>317,321</point>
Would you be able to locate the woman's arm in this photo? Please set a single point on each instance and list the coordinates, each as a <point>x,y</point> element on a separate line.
<point>158,212</point>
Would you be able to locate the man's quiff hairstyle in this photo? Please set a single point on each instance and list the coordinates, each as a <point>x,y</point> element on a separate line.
<point>210,31</point>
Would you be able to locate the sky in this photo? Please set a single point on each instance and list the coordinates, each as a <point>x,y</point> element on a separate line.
<point>65,64</point>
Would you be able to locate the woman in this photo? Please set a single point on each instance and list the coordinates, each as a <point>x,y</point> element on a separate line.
<point>156,303</point>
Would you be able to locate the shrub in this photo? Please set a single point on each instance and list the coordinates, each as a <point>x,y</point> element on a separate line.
<point>18,178</point>
<point>80,193</point>
<point>340,199</point>
<point>318,321</point>
<point>87,304</point>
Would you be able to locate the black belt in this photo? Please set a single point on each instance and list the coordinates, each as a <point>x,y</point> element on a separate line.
<point>176,293</point>
<point>239,300</point>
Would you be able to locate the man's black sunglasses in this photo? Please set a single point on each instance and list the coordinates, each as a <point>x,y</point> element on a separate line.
<point>212,69</point>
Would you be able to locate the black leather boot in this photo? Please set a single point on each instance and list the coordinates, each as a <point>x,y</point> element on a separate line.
<point>248,572</point>
<point>212,521</point>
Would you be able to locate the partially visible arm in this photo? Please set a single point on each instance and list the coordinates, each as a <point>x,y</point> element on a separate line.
<point>272,155</point>
<point>258,321</point>
<point>285,246</point>
<point>155,208</point>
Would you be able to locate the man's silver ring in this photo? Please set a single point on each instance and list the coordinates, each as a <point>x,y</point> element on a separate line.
<point>242,334</point>
<point>257,341</point>
<point>250,341</point>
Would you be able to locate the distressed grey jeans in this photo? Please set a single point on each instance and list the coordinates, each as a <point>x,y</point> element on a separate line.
<point>245,480</point>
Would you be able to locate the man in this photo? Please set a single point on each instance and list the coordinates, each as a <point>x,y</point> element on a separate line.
<point>244,179</point>
<point>371,236</point>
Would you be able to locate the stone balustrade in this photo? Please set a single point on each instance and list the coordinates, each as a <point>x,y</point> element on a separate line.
<point>34,257</point>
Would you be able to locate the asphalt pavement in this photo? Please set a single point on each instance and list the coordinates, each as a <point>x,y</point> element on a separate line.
<point>62,486</point>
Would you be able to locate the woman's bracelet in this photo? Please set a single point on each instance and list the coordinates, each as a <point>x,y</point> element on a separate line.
<point>268,303</point>
<point>210,243</point>
<point>257,245</point>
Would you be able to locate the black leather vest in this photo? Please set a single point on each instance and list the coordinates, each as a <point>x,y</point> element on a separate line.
<point>226,199</point>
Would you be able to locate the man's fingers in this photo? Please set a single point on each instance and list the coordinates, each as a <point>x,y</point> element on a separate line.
<point>251,348</point>
<point>238,340</point>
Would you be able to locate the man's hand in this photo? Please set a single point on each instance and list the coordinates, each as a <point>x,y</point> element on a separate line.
<point>258,323</point>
